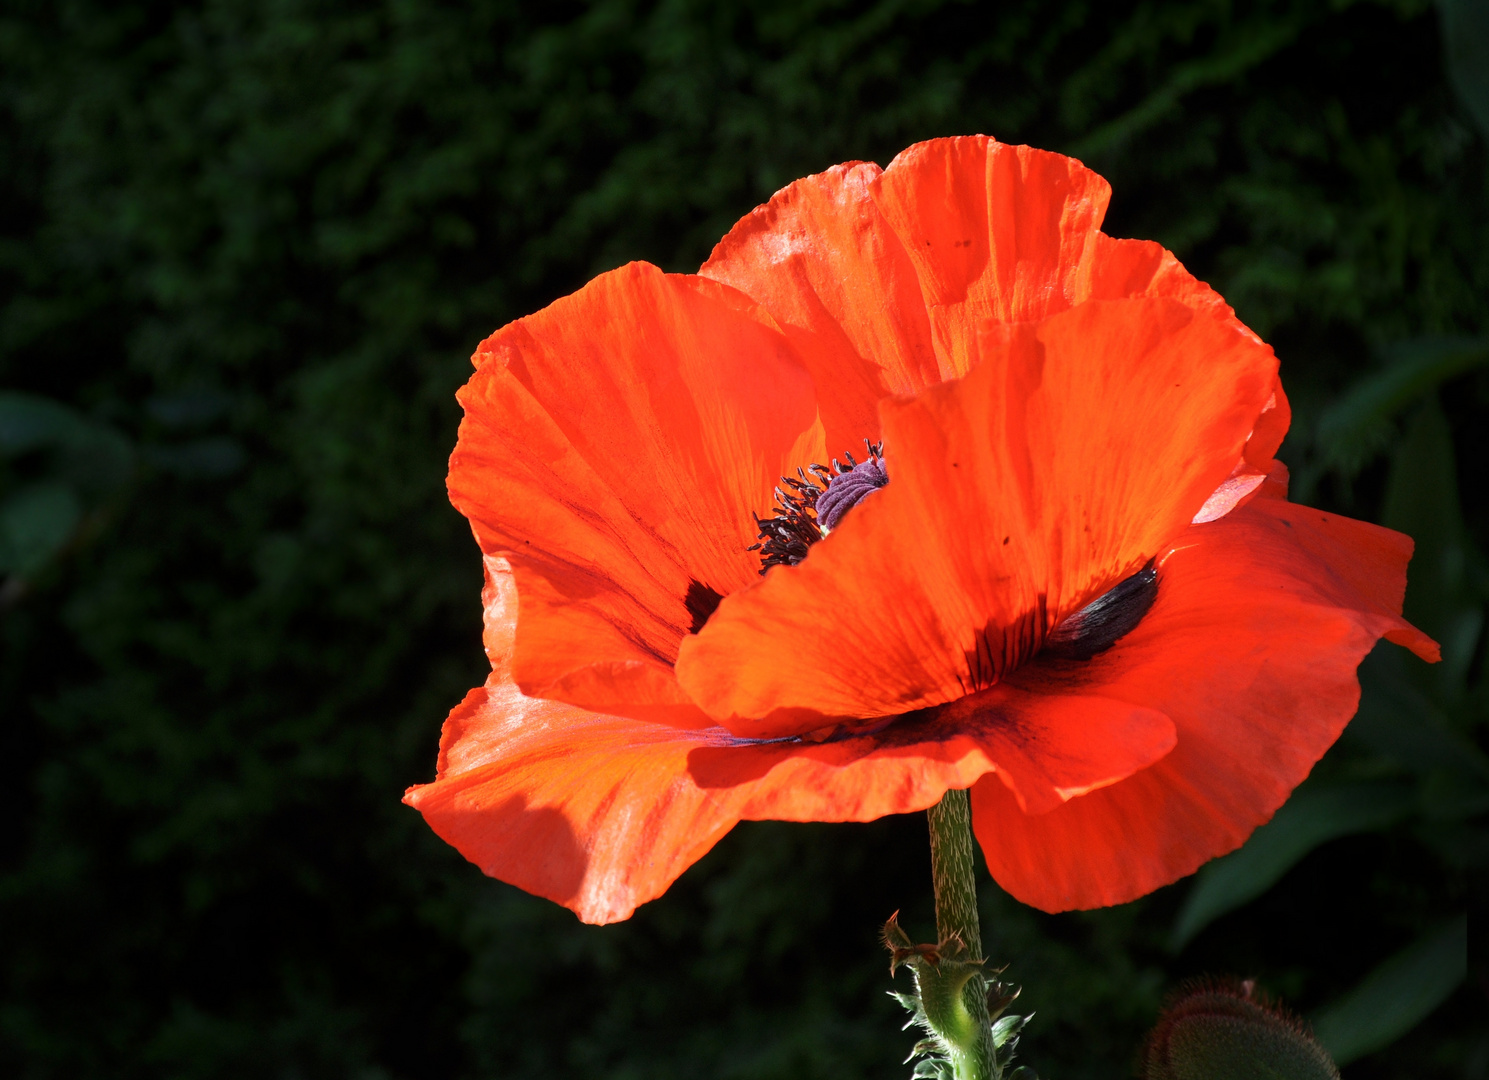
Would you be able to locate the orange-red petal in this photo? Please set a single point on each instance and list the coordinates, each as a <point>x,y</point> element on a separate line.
<point>821,259</point>
<point>615,445</point>
<point>857,264</point>
<point>1251,648</point>
<point>1011,234</point>
<point>1069,456</point>
<point>1271,427</point>
<point>996,232</point>
<point>601,813</point>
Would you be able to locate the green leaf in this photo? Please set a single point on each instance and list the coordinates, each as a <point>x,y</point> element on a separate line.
<point>1354,428</point>
<point>909,1002</point>
<point>1397,995</point>
<point>1007,1027</point>
<point>932,1069</point>
<point>34,524</point>
<point>1311,817</point>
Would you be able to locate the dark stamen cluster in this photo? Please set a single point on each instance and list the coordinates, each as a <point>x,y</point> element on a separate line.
<point>787,535</point>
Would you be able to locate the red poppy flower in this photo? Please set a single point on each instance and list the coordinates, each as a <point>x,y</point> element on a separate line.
<point>1080,593</point>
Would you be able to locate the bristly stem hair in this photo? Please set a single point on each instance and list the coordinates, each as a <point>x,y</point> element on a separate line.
<point>956,918</point>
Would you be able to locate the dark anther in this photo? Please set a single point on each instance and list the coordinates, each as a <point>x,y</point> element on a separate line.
<point>1096,627</point>
<point>701,602</point>
<point>812,502</point>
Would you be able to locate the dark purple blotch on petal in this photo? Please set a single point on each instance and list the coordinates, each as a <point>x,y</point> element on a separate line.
<point>1096,627</point>
<point>701,602</point>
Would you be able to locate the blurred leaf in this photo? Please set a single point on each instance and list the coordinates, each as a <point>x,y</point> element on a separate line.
<point>200,459</point>
<point>1396,996</point>
<point>188,408</point>
<point>1247,47</point>
<point>29,422</point>
<point>1400,723</point>
<point>1422,501</point>
<point>34,524</point>
<point>98,460</point>
<point>1313,816</point>
<point>1465,32</point>
<point>1354,428</point>
<point>85,464</point>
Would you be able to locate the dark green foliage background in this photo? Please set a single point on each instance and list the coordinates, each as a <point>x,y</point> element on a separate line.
<point>261,240</point>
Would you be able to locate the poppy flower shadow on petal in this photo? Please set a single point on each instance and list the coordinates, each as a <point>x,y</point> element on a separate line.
<point>734,760</point>
<point>1044,748</point>
<point>543,838</point>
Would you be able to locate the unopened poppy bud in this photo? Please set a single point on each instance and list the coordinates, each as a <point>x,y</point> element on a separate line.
<point>1216,1030</point>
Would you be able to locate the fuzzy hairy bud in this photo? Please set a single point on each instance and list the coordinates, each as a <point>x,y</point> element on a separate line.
<point>1227,1030</point>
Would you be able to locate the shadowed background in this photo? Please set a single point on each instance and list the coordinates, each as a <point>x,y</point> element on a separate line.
<point>246,249</point>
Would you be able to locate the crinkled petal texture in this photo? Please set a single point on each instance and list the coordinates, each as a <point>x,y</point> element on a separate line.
<point>601,813</point>
<point>614,448</point>
<point>1074,451</point>
<point>1251,649</point>
<point>618,443</point>
<point>883,277</point>
<point>1058,408</point>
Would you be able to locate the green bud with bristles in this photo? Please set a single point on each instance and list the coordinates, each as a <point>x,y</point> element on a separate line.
<point>1214,1030</point>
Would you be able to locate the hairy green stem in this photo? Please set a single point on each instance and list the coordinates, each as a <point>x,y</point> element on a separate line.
<point>951,870</point>
<point>956,916</point>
